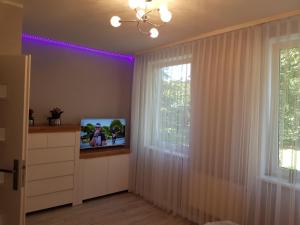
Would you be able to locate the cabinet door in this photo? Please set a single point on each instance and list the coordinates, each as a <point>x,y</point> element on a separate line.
<point>118,171</point>
<point>93,177</point>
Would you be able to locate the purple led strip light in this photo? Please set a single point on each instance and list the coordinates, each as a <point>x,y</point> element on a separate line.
<point>77,47</point>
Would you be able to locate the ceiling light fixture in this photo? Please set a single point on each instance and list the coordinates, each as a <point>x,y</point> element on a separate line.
<point>145,15</point>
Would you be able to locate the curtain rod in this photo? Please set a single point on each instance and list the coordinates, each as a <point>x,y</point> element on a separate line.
<point>224,30</point>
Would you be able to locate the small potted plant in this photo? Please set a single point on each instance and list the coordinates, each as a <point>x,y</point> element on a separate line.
<point>55,120</point>
<point>31,119</point>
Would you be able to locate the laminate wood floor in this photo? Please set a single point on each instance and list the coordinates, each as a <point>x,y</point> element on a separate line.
<point>119,209</point>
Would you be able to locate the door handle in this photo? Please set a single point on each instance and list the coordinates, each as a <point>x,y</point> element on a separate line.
<point>6,171</point>
<point>15,173</point>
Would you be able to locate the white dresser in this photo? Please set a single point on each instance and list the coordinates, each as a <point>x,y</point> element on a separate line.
<point>52,167</point>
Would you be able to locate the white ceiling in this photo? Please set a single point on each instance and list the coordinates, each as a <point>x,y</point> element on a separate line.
<point>86,22</point>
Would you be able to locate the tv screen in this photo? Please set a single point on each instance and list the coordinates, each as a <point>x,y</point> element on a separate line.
<point>97,133</point>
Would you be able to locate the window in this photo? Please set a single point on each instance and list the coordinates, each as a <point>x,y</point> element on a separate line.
<point>289,106</point>
<point>174,103</point>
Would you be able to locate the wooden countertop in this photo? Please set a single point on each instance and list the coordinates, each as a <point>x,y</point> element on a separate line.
<point>46,128</point>
<point>95,153</point>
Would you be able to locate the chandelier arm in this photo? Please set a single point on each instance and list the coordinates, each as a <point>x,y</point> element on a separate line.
<point>141,30</point>
<point>128,21</point>
<point>150,11</point>
<point>153,24</point>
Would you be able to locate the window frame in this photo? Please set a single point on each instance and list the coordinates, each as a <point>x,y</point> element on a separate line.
<point>159,65</point>
<point>276,45</point>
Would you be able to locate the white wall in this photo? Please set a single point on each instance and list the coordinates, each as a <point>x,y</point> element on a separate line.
<point>82,84</point>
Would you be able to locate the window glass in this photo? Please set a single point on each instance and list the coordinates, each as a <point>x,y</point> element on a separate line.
<point>174,105</point>
<point>289,108</point>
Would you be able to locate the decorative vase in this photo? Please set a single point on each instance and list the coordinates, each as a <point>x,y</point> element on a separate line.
<point>31,122</point>
<point>54,122</point>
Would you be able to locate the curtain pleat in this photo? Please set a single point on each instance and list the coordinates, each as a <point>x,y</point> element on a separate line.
<point>225,166</point>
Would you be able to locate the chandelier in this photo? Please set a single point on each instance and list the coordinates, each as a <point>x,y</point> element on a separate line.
<point>145,15</point>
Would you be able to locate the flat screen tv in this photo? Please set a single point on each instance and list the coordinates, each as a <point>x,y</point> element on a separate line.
<point>98,133</point>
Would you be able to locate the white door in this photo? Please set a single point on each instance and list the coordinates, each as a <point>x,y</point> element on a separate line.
<point>14,98</point>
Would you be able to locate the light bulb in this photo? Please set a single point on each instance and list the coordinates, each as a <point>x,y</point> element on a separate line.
<point>154,33</point>
<point>140,13</point>
<point>133,4</point>
<point>142,4</point>
<point>163,8</point>
<point>115,21</point>
<point>166,16</point>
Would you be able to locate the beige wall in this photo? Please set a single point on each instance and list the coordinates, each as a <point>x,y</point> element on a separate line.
<point>82,84</point>
<point>10,29</point>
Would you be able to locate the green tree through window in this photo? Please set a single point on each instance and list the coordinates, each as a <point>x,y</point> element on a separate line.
<point>175,104</point>
<point>289,108</point>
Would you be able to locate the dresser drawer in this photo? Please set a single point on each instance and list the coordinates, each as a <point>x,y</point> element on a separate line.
<point>37,141</point>
<point>51,140</point>
<point>48,200</point>
<point>40,187</point>
<point>42,171</point>
<point>61,139</point>
<point>50,155</point>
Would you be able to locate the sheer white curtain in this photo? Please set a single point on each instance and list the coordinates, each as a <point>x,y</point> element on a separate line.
<point>232,158</point>
<point>275,194</point>
<point>225,97</point>
<point>161,125</point>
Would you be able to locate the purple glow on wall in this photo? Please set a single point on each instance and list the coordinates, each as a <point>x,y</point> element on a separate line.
<point>77,47</point>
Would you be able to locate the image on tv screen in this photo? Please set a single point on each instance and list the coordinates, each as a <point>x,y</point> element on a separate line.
<point>96,133</point>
